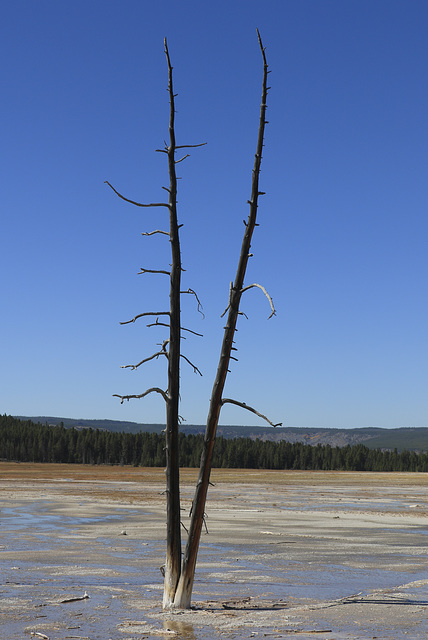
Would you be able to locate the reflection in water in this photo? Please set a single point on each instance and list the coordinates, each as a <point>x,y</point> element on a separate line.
<point>183,630</point>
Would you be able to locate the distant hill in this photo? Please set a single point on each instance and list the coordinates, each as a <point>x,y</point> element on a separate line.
<point>106,425</point>
<point>411,438</point>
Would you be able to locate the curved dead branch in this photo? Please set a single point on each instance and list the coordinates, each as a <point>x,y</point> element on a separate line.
<point>259,286</point>
<point>137,204</point>
<point>142,395</point>
<point>246,406</point>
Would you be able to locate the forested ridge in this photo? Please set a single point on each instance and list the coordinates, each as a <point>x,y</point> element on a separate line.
<point>26,441</point>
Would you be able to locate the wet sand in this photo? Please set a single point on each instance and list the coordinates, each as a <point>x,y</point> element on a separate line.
<point>288,554</point>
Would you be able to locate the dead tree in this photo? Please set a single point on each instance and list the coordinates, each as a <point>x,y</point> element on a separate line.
<point>171,350</point>
<point>185,586</point>
<point>179,575</point>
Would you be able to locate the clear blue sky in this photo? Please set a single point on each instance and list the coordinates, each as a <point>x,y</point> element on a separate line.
<point>342,242</point>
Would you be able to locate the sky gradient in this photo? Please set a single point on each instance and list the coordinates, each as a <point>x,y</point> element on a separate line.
<point>342,241</point>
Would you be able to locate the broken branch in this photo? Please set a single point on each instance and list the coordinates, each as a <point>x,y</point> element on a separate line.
<point>75,599</point>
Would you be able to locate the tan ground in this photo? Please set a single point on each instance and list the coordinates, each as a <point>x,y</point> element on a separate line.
<point>289,554</point>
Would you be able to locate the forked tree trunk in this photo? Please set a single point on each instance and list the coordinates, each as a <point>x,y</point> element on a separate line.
<point>184,590</point>
<point>179,575</point>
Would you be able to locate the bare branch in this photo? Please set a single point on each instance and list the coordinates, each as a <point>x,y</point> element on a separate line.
<point>197,300</point>
<point>190,146</point>
<point>205,523</point>
<point>152,233</point>
<point>142,395</point>
<point>201,335</point>
<point>137,204</point>
<point>167,273</point>
<point>147,313</point>
<point>183,158</point>
<point>259,286</point>
<point>157,324</point>
<point>195,369</point>
<point>163,324</point>
<point>154,356</point>
<point>246,406</point>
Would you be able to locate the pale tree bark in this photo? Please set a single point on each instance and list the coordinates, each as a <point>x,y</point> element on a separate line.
<point>184,591</point>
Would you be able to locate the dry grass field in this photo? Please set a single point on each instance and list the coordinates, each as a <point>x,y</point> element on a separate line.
<point>155,475</point>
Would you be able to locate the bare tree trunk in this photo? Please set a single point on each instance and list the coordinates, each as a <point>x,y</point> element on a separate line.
<point>184,590</point>
<point>173,541</point>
